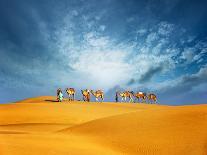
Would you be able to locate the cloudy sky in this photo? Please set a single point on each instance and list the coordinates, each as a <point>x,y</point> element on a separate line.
<point>155,46</point>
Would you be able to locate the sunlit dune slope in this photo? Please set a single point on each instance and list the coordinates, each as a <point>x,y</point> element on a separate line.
<point>42,126</point>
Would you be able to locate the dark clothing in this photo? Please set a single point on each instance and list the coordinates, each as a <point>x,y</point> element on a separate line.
<point>117,99</point>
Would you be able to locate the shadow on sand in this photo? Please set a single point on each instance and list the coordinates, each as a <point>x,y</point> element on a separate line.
<point>51,100</point>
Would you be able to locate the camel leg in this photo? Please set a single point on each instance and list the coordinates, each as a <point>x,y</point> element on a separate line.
<point>135,100</point>
<point>144,100</point>
<point>88,98</point>
<point>102,99</point>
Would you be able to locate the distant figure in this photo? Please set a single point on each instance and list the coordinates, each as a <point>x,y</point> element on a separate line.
<point>58,91</point>
<point>117,98</point>
<point>59,95</point>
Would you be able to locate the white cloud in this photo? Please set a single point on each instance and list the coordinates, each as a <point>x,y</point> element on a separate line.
<point>188,55</point>
<point>93,39</point>
<point>97,61</point>
<point>101,61</point>
<point>194,53</point>
<point>165,28</point>
<point>104,68</point>
<point>151,38</point>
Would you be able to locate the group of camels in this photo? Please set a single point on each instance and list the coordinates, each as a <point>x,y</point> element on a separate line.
<point>99,94</point>
<point>139,96</point>
<point>86,94</point>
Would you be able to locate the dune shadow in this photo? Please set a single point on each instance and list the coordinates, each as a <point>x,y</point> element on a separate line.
<point>12,132</point>
<point>30,124</point>
<point>51,100</point>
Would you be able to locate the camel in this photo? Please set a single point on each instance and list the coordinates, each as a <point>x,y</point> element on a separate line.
<point>126,94</point>
<point>86,95</point>
<point>121,94</point>
<point>140,95</point>
<point>98,94</point>
<point>71,93</point>
<point>152,97</point>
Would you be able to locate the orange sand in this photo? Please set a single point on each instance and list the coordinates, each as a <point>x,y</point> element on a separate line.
<point>40,126</point>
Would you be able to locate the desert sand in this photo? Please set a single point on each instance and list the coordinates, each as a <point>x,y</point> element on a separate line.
<point>41,126</point>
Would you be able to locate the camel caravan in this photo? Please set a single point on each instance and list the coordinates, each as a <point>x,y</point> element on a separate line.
<point>136,97</point>
<point>126,96</point>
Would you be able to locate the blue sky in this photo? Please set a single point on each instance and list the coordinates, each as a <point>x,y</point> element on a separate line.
<point>147,45</point>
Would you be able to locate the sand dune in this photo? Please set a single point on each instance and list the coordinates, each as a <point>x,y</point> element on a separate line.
<point>42,126</point>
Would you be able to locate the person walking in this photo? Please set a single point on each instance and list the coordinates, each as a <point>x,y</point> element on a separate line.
<point>59,95</point>
<point>117,98</point>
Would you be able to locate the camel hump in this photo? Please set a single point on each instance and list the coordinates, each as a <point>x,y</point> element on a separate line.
<point>99,91</point>
<point>152,95</point>
<point>70,90</point>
